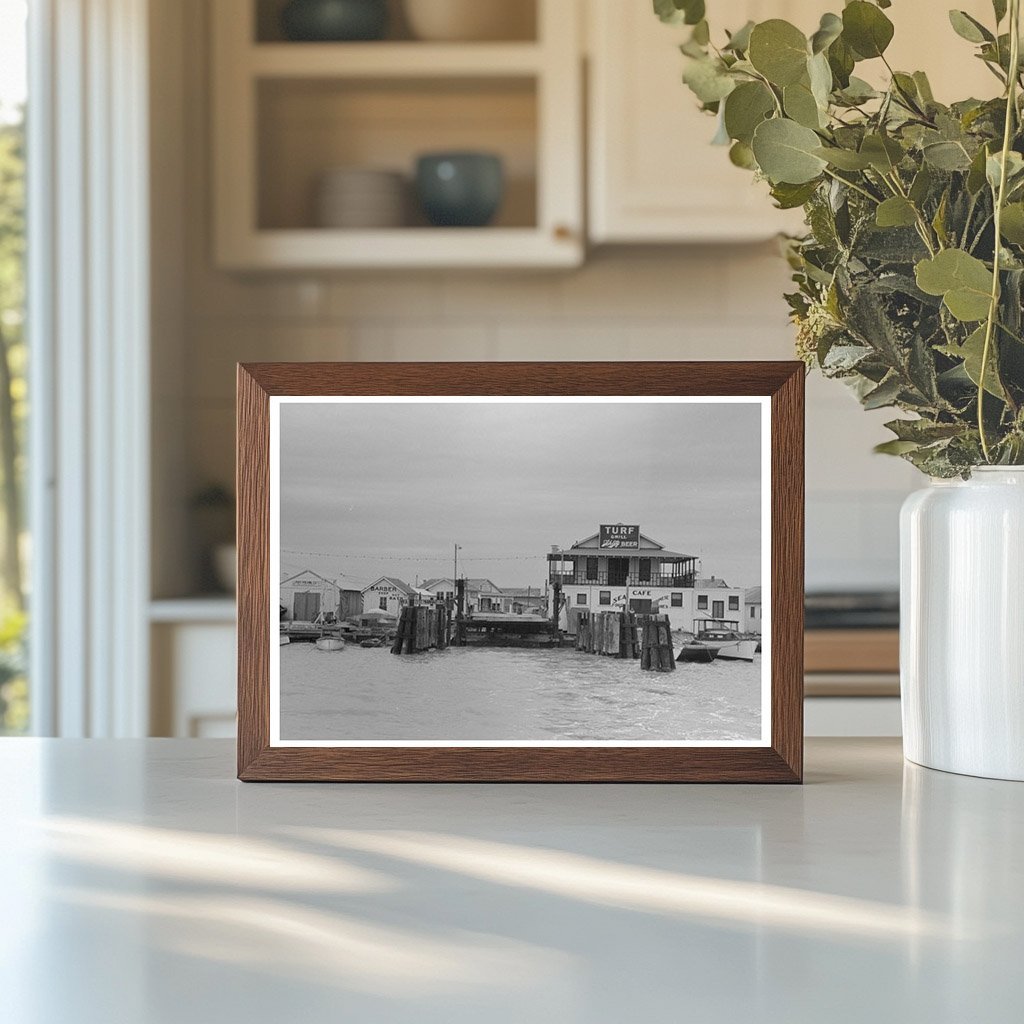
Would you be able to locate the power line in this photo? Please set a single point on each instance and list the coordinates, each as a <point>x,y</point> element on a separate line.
<point>412,557</point>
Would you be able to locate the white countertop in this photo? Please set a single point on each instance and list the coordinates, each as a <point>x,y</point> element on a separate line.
<point>143,885</point>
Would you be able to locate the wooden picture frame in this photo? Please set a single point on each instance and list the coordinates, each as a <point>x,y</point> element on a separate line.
<point>779,759</point>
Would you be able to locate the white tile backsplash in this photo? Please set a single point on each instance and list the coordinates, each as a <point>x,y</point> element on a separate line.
<point>715,303</point>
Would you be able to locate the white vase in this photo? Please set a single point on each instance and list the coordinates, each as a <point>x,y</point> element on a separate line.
<point>962,624</point>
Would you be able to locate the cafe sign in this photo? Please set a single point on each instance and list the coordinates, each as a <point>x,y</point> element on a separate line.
<point>619,536</point>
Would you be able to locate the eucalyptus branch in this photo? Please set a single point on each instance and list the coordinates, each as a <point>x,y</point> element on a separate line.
<point>850,184</point>
<point>1000,199</point>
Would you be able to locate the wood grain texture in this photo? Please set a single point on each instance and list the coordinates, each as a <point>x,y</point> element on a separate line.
<point>852,650</point>
<point>782,762</point>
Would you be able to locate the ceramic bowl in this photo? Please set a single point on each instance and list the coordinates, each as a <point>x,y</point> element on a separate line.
<point>358,197</point>
<point>334,20</point>
<point>460,189</point>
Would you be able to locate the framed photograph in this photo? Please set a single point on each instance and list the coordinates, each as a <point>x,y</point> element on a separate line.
<point>519,572</point>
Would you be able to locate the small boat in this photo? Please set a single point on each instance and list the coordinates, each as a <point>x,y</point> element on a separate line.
<point>330,643</point>
<point>373,641</point>
<point>725,644</point>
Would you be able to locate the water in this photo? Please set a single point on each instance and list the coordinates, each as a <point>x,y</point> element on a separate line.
<point>493,693</point>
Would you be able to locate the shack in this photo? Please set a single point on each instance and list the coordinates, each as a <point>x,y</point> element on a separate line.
<point>386,594</point>
<point>307,595</point>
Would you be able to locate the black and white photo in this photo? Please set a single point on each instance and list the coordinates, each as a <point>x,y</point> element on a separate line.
<point>564,571</point>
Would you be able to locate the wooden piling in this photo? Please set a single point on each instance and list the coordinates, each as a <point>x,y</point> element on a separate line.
<point>460,612</point>
<point>656,653</point>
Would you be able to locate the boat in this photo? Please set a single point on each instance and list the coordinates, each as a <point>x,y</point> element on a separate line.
<point>725,644</point>
<point>330,643</point>
<point>373,641</point>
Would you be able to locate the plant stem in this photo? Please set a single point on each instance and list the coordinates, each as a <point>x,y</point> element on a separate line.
<point>993,309</point>
<point>856,188</point>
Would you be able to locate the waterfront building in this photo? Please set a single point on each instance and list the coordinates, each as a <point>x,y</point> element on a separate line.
<point>523,601</point>
<point>481,594</point>
<point>307,595</point>
<point>752,599</point>
<point>442,587</point>
<point>621,568</point>
<point>386,594</point>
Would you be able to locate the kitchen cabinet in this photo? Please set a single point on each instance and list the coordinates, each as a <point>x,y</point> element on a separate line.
<point>286,113</point>
<point>653,175</point>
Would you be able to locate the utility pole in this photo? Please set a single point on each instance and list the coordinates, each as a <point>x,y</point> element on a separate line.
<point>456,576</point>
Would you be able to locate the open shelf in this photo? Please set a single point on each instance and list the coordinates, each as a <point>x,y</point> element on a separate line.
<point>286,114</point>
<point>520,17</point>
<point>308,127</point>
<point>393,60</point>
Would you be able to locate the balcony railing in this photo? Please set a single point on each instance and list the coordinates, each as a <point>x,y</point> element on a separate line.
<point>682,581</point>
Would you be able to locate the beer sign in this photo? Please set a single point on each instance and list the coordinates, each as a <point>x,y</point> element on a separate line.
<point>619,536</point>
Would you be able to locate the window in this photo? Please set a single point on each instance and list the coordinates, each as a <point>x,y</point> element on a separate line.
<point>581,598</point>
<point>605,597</point>
<point>591,568</point>
<point>383,604</point>
<point>677,600</point>
<point>645,570</point>
<point>752,610</point>
<point>734,603</point>
<point>14,689</point>
<point>702,601</point>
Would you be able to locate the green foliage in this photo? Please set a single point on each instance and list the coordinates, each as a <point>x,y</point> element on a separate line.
<point>13,415</point>
<point>904,289</point>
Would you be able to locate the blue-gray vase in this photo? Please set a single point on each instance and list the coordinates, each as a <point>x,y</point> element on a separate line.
<point>332,21</point>
<point>461,190</point>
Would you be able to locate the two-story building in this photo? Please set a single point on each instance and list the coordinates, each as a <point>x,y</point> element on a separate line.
<point>621,568</point>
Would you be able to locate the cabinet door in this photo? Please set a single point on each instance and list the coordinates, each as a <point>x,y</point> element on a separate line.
<point>653,175</point>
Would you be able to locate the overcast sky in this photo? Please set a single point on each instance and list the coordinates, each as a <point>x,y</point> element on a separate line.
<point>389,488</point>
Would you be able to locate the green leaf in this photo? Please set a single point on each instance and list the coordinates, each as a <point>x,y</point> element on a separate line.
<point>785,152</point>
<point>896,212</point>
<point>741,155</point>
<point>820,76</point>
<point>676,12</point>
<point>708,80</point>
<point>963,281</point>
<point>800,105</point>
<point>739,41</point>
<point>924,87</point>
<point>976,173</point>
<point>866,29</point>
<point>921,185</point>
<point>972,352</point>
<point>896,447</point>
<point>883,153</point>
<point>999,7</point>
<point>1012,226</point>
<point>1014,169</point>
<point>947,156</point>
<point>829,30</point>
<point>969,28</point>
<point>745,108</point>
<point>884,395</point>
<point>858,91</point>
<point>841,60</point>
<point>778,50</point>
<point>789,197</point>
<point>844,159</point>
